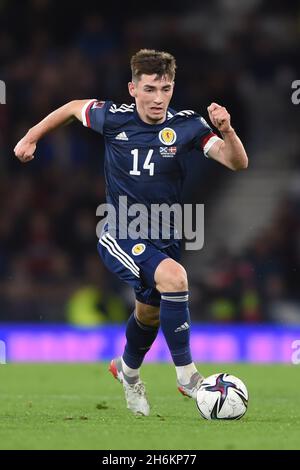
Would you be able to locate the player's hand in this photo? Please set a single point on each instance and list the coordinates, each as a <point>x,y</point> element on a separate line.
<point>24,150</point>
<point>219,117</point>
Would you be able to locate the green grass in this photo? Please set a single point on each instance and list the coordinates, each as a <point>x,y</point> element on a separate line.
<point>81,406</point>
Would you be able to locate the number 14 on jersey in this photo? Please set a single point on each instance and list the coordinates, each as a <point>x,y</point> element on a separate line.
<point>147,164</point>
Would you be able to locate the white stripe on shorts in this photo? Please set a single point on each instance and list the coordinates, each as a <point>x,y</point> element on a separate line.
<point>122,252</point>
<point>112,250</point>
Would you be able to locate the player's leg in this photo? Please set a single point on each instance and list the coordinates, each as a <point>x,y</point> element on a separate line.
<point>142,326</point>
<point>171,282</point>
<point>141,331</point>
<point>147,314</point>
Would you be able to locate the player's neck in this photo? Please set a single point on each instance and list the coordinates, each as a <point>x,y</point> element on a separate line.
<point>143,116</point>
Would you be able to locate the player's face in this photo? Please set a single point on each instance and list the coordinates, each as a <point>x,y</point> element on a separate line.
<point>152,95</point>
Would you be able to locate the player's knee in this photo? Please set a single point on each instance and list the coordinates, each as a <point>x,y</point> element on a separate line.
<point>148,315</point>
<point>149,319</point>
<point>170,276</point>
<point>178,281</point>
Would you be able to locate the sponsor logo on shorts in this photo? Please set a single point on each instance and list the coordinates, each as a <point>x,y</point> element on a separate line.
<point>138,249</point>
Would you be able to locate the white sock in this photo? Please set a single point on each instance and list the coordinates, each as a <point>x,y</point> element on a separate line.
<point>184,373</point>
<point>128,371</point>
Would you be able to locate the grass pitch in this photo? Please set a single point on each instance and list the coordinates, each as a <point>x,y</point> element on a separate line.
<point>81,406</point>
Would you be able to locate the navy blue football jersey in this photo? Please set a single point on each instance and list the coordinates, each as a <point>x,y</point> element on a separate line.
<point>142,162</point>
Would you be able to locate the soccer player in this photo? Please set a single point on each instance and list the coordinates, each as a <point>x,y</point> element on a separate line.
<point>145,142</point>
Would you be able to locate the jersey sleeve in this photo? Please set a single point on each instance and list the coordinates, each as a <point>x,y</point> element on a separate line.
<point>94,114</point>
<point>205,137</point>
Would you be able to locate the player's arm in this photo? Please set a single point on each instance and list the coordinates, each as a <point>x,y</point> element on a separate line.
<point>229,151</point>
<point>25,148</point>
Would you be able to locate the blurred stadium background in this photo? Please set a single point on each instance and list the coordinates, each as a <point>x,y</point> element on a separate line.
<point>244,283</point>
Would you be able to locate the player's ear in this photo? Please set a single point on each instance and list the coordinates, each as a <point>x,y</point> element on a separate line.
<point>132,89</point>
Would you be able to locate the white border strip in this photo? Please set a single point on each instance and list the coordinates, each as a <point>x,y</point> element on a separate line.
<point>83,112</point>
<point>209,144</point>
<point>182,298</point>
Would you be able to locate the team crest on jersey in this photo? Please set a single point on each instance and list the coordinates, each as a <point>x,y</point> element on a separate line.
<point>167,136</point>
<point>138,249</point>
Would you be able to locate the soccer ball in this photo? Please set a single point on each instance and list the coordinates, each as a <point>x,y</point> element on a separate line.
<point>222,396</point>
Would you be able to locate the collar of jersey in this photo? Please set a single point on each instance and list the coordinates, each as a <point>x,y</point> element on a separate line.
<point>143,123</point>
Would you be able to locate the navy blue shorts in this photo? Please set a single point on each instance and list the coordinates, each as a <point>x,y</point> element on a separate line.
<point>135,262</point>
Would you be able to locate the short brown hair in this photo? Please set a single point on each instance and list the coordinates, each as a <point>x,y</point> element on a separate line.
<point>149,61</point>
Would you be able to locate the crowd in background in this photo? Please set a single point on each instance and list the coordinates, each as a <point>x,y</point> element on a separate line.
<point>49,266</point>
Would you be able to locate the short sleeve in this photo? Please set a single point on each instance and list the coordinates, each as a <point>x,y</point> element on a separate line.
<point>94,113</point>
<point>205,137</point>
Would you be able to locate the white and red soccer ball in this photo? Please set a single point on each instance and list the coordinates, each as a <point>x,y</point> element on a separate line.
<point>222,396</point>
